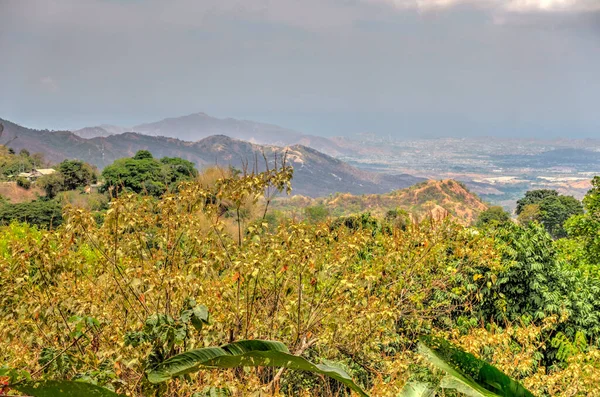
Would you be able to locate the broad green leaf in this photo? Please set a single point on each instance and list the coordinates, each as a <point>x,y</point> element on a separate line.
<point>199,317</point>
<point>63,388</point>
<point>213,392</point>
<point>248,353</point>
<point>417,389</point>
<point>468,374</point>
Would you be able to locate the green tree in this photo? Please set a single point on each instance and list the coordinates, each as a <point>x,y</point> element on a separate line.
<point>52,184</point>
<point>176,169</point>
<point>316,213</point>
<point>494,215</point>
<point>143,173</point>
<point>45,213</point>
<point>549,208</point>
<point>554,212</point>
<point>586,227</point>
<point>530,213</point>
<point>534,282</point>
<point>534,197</point>
<point>76,173</point>
<point>143,155</point>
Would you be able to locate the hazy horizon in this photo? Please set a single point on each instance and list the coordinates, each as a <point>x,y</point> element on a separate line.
<point>405,68</point>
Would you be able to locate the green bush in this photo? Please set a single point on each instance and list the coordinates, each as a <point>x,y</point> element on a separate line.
<point>23,182</point>
<point>44,213</point>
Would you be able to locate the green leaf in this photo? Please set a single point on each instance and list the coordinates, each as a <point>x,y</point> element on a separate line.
<point>467,373</point>
<point>213,392</point>
<point>199,317</point>
<point>417,389</point>
<point>248,353</point>
<point>59,388</point>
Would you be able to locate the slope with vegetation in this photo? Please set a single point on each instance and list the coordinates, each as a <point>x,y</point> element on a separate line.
<point>316,174</point>
<point>430,199</point>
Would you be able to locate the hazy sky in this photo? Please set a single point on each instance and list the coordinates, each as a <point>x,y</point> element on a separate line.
<point>330,67</point>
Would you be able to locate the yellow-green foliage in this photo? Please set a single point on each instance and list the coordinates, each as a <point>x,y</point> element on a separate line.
<point>72,297</point>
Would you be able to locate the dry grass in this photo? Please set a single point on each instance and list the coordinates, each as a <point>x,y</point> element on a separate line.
<point>16,194</point>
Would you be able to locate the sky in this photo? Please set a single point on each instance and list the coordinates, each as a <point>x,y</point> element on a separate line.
<point>400,68</point>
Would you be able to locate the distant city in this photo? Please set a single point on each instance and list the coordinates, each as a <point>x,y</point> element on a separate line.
<point>498,170</point>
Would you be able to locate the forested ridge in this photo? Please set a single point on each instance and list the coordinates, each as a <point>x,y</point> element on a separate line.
<point>172,282</point>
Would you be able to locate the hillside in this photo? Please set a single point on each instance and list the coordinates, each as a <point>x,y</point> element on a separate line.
<point>194,127</point>
<point>100,131</point>
<point>316,174</point>
<point>430,198</point>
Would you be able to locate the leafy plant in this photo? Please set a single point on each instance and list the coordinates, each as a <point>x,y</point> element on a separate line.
<point>466,373</point>
<point>166,333</point>
<point>247,353</point>
<point>55,388</point>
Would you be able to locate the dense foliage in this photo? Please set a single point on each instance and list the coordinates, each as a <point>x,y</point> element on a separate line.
<point>494,215</point>
<point>12,164</point>
<point>45,213</point>
<point>143,173</point>
<point>138,297</point>
<point>549,208</point>
<point>77,173</point>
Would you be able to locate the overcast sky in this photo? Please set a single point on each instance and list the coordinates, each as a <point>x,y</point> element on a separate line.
<point>329,67</point>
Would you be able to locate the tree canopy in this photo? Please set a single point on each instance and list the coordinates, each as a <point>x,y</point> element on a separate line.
<point>494,215</point>
<point>549,208</point>
<point>76,174</point>
<point>143,173</point>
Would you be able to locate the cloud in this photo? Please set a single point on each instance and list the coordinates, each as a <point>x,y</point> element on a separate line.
<point>516,6</point>
<point>49,84</point>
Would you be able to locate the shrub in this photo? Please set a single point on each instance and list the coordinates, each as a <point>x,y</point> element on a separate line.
<point>23,182</point>
<point>44,213</point>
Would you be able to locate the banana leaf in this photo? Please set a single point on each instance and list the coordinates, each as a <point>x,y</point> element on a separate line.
<point>468,374</point>
<point>248,353</point>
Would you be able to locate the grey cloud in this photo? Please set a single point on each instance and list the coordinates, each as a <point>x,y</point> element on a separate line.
<point>323,66</point>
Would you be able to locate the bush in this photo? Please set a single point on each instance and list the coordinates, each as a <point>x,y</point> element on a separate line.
<point>23,182</point>
<point>44,213</point>
<point>317,213</point>
<point>52,184</point>
<point>493,216</point>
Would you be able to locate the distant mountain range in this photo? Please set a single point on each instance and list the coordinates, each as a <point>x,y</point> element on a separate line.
<point>197,126</point>
<point>315,173</point>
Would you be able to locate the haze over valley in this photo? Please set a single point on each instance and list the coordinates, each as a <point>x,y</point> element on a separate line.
<point>500,170</point>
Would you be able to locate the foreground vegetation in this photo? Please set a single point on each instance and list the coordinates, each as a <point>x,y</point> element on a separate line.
<point>108,297</point>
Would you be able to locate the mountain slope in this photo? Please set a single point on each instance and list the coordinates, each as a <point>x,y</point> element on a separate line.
<point>315,174</point>
<point>430,198</point>
<point>197,126</point>
<point>100,131</point>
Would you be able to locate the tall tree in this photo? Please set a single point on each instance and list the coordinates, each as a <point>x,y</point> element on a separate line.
<point>549,208</point>
<point>586,227</point>
<point>143,173</point>
<point>76,173</point>
<point>534,197</point>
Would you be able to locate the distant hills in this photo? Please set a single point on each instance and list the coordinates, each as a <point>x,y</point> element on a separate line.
<point>316,174</point>
<point>197,126</point>
<point>437,199</point>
